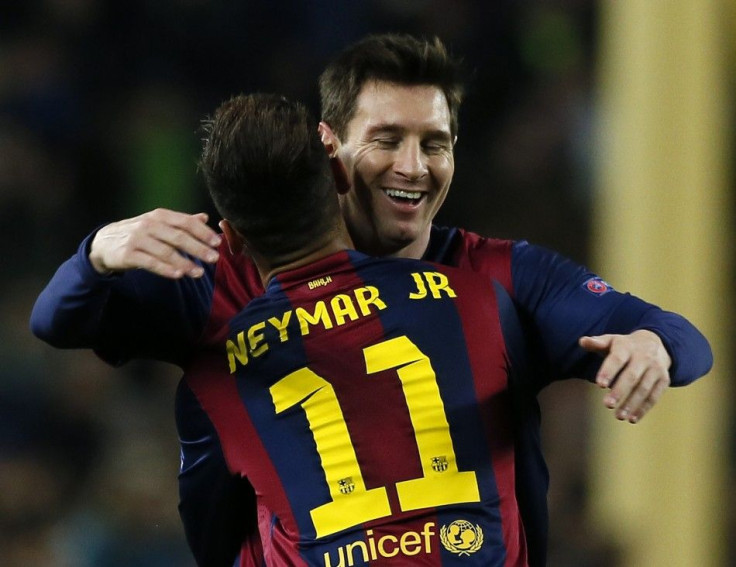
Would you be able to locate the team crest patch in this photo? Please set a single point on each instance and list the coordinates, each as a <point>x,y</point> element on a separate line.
<point>439,464</point>
<point>461,537</point>
<point>597,286</point>
<point>347,486</point>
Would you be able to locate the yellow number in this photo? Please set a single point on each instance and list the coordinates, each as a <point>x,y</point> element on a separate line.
<point>352,504</point>
<point>442,483</point>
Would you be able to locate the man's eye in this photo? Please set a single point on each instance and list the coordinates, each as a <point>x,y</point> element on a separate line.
<point>387,142</point>
<point>432,147</point>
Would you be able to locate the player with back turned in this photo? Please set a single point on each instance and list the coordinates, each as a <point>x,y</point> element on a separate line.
<point>366,400</point>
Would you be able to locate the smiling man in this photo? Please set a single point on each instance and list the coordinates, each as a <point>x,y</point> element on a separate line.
<point>389,108</point>
<point>399,146</point>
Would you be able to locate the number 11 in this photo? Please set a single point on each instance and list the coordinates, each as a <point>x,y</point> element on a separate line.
<point>351,503</point>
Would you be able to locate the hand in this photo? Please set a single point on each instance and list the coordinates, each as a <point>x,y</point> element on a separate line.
<point>637,365</point>
<point>155,241</point>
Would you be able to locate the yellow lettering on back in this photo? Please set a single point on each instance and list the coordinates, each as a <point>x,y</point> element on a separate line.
<point>349,552</point>
<point>382,546</point>
<point>342,306</point>
<point>320,315</point>
<point>437,283</point>
<point>367,296</point>
<point>410,543</point>
<point>421,291</point>
<point>281,324</point>
<point>237,352</point>
<point>255,336</point>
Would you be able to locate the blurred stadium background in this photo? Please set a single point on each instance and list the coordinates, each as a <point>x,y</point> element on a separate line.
<point>604,130</point>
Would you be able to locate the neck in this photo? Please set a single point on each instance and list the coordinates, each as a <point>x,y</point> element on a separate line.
<point>269,268</point>
<point>415,249</point>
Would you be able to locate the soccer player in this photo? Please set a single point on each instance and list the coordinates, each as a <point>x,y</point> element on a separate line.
<point>390,106</point>
<point>367,400</point>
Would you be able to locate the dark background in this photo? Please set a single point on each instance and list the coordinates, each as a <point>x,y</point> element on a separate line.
<point>100,103</point>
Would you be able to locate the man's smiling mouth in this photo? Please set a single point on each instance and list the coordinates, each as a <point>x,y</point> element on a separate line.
<point>404,197</point>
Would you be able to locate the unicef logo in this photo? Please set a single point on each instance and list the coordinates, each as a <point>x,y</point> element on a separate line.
<point>461,537</point>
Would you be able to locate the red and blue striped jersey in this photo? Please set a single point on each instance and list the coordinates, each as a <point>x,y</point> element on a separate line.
<point>367,401</point>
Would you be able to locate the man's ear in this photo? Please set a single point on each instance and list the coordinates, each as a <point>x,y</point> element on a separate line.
<point>332,144</point>
<point>329,139</point>
<point>235,241</point>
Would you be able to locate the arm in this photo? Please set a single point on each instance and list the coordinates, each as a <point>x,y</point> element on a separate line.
<point>632,346</point>
<point>100,299</point>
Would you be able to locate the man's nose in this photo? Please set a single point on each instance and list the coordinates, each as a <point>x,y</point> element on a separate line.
<point>411,162</point>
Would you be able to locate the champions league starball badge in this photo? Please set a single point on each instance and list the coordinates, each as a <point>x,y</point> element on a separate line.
<point>597,286</point>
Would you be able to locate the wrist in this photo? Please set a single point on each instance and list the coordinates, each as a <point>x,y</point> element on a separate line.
<point>95,258</point>
<point>661,349</point>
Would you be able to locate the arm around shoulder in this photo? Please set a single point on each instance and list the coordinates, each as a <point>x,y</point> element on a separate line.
<point>128,314</point>
<point>67,311</point>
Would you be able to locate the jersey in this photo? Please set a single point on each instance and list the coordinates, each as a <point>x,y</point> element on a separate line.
<point>137,314</point>
<point>368,404</point>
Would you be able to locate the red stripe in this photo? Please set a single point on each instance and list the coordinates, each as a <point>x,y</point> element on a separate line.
<point>373,406</point>
<point>487,256</point>
<point>218,395</point>
<point>236,282</point>
<point>482,330</point>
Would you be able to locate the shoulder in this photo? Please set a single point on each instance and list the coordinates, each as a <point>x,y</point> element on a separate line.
<point>482,250</point>
<point>534,265</point>
<point>467,250</point>
<point>236,283</point>
<point>237,273</point>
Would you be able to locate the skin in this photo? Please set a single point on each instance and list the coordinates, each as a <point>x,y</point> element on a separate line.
<point>154,241</point>
<point>398,139</point>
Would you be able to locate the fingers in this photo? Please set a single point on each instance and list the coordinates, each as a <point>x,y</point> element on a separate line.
<point>157,241</point>
<point>171,265</point>
<point>599,344</point>
<point>655,394</point>
<point>635,367</point>
<point>614,359</point>
<point>162,237</point>
<point>633,396</point>
<point>612,363</point>
<point>187,233</point>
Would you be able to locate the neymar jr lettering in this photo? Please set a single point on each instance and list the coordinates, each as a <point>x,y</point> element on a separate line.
<point>335,312</point>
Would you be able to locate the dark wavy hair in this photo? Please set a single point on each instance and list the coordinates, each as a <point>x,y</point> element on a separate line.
<point>268,173</point>
<point>394,58</point>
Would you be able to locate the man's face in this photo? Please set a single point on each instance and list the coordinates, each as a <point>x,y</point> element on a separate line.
<point>398,153</point>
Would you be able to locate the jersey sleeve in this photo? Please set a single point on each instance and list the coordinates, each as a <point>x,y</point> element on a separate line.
<point>564,301</point>
<point>135,314</point>
<point>218,509</point>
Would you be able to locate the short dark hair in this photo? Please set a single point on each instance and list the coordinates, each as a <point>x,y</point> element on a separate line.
<point>268,172</point>
<point>394,58</point>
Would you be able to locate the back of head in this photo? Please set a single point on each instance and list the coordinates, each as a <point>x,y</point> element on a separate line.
<point>394,58</point>
<point>268,173</point>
